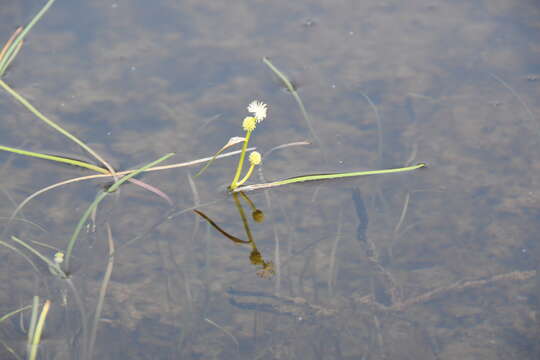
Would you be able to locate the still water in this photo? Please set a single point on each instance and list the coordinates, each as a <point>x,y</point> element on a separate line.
<point>439,263</point>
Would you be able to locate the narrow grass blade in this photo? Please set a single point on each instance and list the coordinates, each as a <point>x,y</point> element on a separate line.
<point>22,35</point>
<point>503,83</point>
<point>14,312</point>
<point>21,254</point>
<point>11,57</point>
<point>228,333</point>
<point>99,176</point>
<point>9,42</point>
<point>35,252</point>
<point>294,93</point>
<point>33,319</point>
<point>102,292</point>
<point>23,220</point>
<point>85,165</point>
<point>152,189</point>
<point>7,46</point>
<point>284,146</point>
<point>55,126</point>
<point>59,159</point>
<point>232,141</point>
<point>39,330</point>
<point>10,350</point>
<point>379,128</point>
<point>315,177</point>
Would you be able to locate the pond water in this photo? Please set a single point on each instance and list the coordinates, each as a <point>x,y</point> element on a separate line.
<point>438,263</point>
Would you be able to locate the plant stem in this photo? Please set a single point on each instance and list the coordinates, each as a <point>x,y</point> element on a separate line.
<point>248,174</point>
<point>234,183</point>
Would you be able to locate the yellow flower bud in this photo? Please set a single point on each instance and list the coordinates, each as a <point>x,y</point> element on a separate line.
<point>255,158</point>
<point>249,123</point>
<point>59,257</point>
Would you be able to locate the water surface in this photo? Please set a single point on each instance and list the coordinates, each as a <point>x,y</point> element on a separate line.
<point>435,264</point>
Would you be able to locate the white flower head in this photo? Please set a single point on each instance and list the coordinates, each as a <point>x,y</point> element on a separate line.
<point>258,109</point>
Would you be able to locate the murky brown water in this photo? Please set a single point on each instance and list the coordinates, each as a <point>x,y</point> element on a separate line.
<point>436,264</point>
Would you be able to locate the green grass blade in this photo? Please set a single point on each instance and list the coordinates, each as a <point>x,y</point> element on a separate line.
<point>14,312</point>
<point>20,253</point>
<point>100,176</point>
<point>35,252</point>
<point>96,202</point>
<point>11,58</point>
<point>5,60</point>
<point>33,319</point>
<point>315,177</point>
<point>55,126</point>
<point>36,339</point>
<point>288,84</point>
<point>7,45</point>
<point>10,350</point>
<point>102,292</point>
<point>117,184</point>
<point>232,141</point>
<point>55,158</point>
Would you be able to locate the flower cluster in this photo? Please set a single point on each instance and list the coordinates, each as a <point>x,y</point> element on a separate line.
<point>258,109</point>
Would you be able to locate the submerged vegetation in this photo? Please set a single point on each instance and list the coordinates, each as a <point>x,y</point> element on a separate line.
<point>61,266</point>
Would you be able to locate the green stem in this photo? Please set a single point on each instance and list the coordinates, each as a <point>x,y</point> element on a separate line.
<point>248,174</point>
<point>234,183</point>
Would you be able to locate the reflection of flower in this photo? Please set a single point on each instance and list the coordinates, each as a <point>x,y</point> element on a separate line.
<point>258,215</point>
<point>267,271</point>
<point>258,109</point>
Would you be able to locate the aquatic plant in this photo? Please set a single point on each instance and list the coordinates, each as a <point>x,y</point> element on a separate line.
<point>60,265</point>
<point>258,109</point>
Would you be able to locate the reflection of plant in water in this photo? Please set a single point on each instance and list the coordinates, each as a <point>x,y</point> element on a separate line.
<point>256,258</point>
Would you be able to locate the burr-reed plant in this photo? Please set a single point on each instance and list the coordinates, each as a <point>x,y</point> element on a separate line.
<point>258,110</point>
